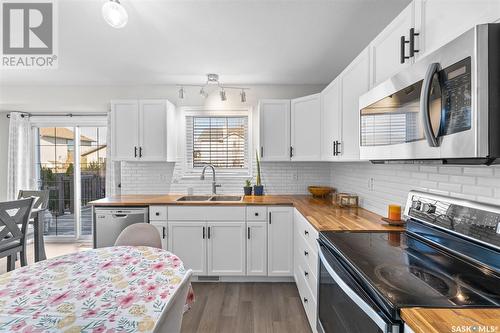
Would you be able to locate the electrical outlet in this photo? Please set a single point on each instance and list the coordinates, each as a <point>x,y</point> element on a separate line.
<point>370,184</point>
<point>295,175</point>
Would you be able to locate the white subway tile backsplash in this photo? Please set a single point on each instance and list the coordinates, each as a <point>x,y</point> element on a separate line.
<point>391,183</point>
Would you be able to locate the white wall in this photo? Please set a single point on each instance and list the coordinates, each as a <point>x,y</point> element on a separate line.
<point>392,182</point>
<point>4,138</point>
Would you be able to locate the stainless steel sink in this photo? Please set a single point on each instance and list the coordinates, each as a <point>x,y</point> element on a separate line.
<point>204,198</point>
<point>226,198</point>
<point>195,198</point>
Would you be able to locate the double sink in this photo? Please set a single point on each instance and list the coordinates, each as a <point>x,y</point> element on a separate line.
<point>212,198</point>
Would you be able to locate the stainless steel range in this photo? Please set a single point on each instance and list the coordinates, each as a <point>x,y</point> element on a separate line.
<point>449,257</point>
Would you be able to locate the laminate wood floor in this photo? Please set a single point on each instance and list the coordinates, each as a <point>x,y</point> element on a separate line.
<point>246,307</point>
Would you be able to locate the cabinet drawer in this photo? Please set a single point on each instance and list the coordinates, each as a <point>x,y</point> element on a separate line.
<point>157,213</point>
<point>305,229</point>
<point>256,213</point>
<point>206,213</point>
<point>307,258</point>
<point>307,300</point>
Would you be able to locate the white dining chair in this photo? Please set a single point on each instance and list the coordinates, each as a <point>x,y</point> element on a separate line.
<point>139,234</point>
<point>171,319</point>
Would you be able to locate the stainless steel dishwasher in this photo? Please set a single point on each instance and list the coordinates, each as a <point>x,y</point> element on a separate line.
<point>109,223</point>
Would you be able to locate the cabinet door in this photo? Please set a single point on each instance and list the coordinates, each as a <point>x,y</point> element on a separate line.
<point>153,130</point>
<point>355,82</point>
<point>306,128</point>
<point>386,47</point>
<point>162,228</point>
<point>280,241</point>
<point>187,240</point>
<point>125,129</point>
<point>226,248</point>
<point>441,21</point>
<point>257,248</point>
<point>330,119</point>
<point>274,130</point>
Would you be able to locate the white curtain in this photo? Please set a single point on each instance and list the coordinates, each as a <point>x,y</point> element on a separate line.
<point>19,155</point>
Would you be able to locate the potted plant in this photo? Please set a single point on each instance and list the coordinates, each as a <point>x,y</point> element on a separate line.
<point>258,189</point>
<point>248,187</point>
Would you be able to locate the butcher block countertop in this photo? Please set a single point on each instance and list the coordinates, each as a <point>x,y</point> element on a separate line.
<point>423,320</point>
<point>320,213</point>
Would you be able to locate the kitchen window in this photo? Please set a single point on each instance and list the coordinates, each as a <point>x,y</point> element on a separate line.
<point>218,140</point>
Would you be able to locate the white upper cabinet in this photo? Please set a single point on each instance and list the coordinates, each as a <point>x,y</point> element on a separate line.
<point>143,130</point>
<point>386,49</point>
<point>355,81</point>
<point>274,130</point>
<point>125,129</point>
<point>440,21</point>
<point>306,128</point>
<point>330,120</point>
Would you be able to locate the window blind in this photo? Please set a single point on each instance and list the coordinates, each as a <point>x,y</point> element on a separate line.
<point>220,141</point>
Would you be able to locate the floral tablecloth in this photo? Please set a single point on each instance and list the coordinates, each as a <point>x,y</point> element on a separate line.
<point>107,290</point>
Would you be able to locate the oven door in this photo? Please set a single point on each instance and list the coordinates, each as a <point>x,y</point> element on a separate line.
<point>343,307</point>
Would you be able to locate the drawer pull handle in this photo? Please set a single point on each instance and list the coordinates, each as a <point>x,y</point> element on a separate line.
<point>306,273</point>
<point>306,253</point>
<point>306,232</point>
<point>164,232</point>
<point>157,213</point>
<point>256,214</point>
<point>305,300</point>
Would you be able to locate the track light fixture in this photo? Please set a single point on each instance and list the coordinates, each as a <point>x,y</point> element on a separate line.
<point>213,80</point>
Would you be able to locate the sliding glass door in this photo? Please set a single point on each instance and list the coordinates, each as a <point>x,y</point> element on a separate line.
<point>70,162</point>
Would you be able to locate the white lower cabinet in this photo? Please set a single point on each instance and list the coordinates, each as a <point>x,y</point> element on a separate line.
<point>280,241</point>
<point>257,248</point>
<point>226,248</point>
<point>188,241</point>
<point>162,227</point>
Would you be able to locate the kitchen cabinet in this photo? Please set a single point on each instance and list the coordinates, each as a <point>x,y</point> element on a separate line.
<point>438,22</point>
<point>386,47</point>
<point>306,128</point>
<point>274,117</point>
<point>188,240</point>
<point>143,130</point>
<point>330,120</point>
<point>226,248</point>
<point>355,81</point>
<point>162,227</point>
<point>280,241</point>
<point>257,248</point>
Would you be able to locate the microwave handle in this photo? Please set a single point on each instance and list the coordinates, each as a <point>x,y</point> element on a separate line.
<point>368,310</point>
<point>425,97</point>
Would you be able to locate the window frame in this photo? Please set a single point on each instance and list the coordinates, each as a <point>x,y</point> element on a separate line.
<point>187,170</point>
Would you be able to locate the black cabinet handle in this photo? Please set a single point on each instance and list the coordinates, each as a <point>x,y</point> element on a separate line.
<point>335,148</point>
<point>261,151</point>
<point>208,232</point>
<point>248,232</point>
<point>306,273</point>
<point>305,300</point>
<point>291,151</point>
<point>412,42</point>
<point>270,218</point>
<point>164,232</point>
<point>306,232</point>
<point>256,214</point>
<point>306,253</point>
<point>140,151</point>
<point>203,232</point>
<point>135,151</point>
<point>157,213</point>
<point>403,55</point>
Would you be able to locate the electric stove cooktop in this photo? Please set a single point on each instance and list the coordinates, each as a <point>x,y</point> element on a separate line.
<point>402,271</point>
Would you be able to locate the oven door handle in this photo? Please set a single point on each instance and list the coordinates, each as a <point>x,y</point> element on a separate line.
<point>368,310</point>
<point>425,96</point>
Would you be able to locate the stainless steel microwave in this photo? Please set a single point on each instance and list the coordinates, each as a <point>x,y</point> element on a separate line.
<point>445,108</point>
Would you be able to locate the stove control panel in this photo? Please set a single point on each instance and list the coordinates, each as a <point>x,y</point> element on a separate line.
<point>474,220</point>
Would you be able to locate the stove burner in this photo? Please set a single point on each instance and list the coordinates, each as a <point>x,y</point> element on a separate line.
<point>416,281</point>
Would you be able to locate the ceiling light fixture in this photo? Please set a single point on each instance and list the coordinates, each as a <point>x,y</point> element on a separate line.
<point>114,14</point>
<point>213,80</point>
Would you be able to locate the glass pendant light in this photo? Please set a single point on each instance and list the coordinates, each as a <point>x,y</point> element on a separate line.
<point>114,14</point>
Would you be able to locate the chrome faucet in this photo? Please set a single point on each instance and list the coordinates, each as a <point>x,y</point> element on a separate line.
<point>214,184</point>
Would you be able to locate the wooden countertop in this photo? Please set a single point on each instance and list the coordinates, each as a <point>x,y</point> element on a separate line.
<point>423,320</point>
<point>320,213</point>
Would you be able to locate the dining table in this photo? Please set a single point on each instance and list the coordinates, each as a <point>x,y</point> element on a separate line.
<point>105,290</point>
